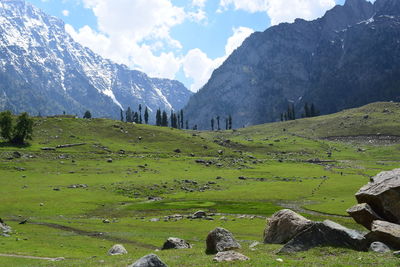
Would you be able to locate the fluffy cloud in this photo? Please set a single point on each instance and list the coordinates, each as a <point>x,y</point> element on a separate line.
<point>282,11</point>
<point>199,67</point>
<point>65,13</point>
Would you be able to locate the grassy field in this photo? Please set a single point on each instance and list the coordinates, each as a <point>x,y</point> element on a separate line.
<point>311,165</point>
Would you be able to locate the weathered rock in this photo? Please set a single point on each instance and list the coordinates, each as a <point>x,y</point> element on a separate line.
<point>363,214</point>
<point>396,254</point>
<point>230,256</point>
<point>117,250</point>
<point>176,243</point>
<point>5,230</point>
<point>220,240</point>
<point>283,226</point>
<point>379,247</point>
<point>326,233</point>
<point>386,232</point>
<point>150,260</point>
<point>199,214</point>
<point>109,160</point>
<point>383,195</point>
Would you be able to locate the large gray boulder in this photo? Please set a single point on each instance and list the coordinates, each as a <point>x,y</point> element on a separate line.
<point>283,226</point>
<point>230,256</point>
<point>383,195</point>
<point>220,240</point>
<point>326,233</point>
<point>117,250</point>
<point>150,260</point>
<point>386,232</point>
<point>363,214</point>
<point>176,243</point>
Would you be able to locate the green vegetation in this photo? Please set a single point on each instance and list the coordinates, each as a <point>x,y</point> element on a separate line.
<point>113,168</point>
<point>19,133</point>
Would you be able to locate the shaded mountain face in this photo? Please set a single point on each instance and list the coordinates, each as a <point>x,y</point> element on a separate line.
<point>347,58</point>
<point>43,70</point>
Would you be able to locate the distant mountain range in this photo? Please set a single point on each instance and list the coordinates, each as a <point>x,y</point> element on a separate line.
<point>43,70</point>
<point>347,58</point>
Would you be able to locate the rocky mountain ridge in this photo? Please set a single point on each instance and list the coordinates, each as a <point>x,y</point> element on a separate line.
<point>347,58</point>
<point>43,70</point>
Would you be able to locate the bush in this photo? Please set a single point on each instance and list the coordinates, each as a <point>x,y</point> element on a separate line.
<point>22,131</point>
<point>6,125</point>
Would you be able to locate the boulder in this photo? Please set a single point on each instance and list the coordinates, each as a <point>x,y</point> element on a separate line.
<point>383,195</point>
<point>326,233</point>
<point>117,250</point>
<point>363,214</point>
<point>386,232</point>
<point>5,230</point>
<point>396,254</point>
<point>283,226</point>
<point>150,260</point>
<point>220,240</point>
<point>379,247</point>
<point>230,256</point>
<point>199,214</point>
<point>176,243</point>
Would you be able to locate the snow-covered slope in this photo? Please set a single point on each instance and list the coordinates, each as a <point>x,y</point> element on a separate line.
<point>43,70</point>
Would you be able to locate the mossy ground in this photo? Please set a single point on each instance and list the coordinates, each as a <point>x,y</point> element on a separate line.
<point>289,164</point>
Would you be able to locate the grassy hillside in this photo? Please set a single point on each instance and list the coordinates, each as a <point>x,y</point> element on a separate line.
<point>66,193</point>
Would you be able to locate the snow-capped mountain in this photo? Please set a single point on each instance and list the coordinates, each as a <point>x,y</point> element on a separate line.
<point>43,70</point>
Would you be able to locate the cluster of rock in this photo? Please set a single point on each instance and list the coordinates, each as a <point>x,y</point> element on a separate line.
<point>5,230</point>
<point>300,234</point>
<point>378,211</point>
<point>379,208</point>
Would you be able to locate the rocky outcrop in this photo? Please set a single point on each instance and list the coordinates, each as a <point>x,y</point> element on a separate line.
<point>385,232</point>
<point>363,214</point>
<point>220,240</point>
<point>176,243</point>
<point>326,233</point>
<point>117,250</point>
<point>383,195</point>
<point>230,256</point>
<point>150,260</point>
<point>283,226</point>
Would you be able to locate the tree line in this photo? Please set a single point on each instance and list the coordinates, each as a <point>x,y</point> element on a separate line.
<point>215,123</point>
<point>309,112</point>
<point>16,132</point>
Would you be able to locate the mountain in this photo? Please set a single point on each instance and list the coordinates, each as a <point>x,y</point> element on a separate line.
<point>43,70</point>
<point>347,58</point>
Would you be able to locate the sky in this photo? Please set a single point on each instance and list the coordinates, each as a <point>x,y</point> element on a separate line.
<point>175,39</point>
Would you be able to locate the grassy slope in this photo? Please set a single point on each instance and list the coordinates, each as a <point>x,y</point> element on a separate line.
<point>118,191</point>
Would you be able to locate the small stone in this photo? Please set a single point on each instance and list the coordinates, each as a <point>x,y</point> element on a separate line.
<point>110,160</point>
<point>379,247</point>
<point>117,250</point>
<point>150,260</point>
<point>199,214</point>
<point>279,260</point>
<point>106,221</point>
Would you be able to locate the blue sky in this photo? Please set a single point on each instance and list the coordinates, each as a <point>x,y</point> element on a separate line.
<point>178,39</point>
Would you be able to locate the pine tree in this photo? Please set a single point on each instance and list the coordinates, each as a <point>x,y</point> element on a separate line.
<point>129,116</point>
<point>218,123</point>
<point>122,115</point>
<point>146,115</point>
<point>158,117</point>
<point>87,115</point>
<point>135,117</point>
<point>212,124</point>
<point>176,121</point>
<point>314,112</point>
<point>23,130</point>
<point>226,123</point>
<point>181,118</point>
<point>164,119</point>
<point>172,119</point>
<point>140,114</point>
<point>6,125</point>
<point>230,122</point>
<point>307,112</point>
<point>187,125</point>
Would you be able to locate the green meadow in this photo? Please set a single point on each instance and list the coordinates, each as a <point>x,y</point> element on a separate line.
<point>135,175</point>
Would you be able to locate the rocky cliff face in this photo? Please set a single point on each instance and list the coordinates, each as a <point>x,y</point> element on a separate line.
<point>349,57</point>
<point>43,70</point>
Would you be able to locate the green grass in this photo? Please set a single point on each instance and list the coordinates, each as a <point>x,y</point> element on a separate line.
<point>295,167</point>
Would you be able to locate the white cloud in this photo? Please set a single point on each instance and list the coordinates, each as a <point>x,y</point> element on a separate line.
<point>65,12</point>
<point>199,3</point>
<point>199,67</point>
<point>282,11</point>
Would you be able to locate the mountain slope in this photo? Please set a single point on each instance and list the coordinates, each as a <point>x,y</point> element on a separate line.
<point>43,70</point>
<point>347,58</point>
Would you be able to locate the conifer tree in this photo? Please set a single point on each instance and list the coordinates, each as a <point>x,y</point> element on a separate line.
<point>164,119</point>
<point>181,118</point>
<point>212,124</point>
<point>87,115</point>
<point>219,128</point>
<point>135,117</point>
<point>230,122</point>
<point>226,123</point>
<point>23,129</point>
<point>122,115</point>
<point>158,117</point>
<point>187,125</point>
<point>146,115</point>
<point>140,114</point>
<point>129,115</point>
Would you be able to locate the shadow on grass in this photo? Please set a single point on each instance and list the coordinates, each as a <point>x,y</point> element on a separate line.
<point>9,144</point>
